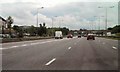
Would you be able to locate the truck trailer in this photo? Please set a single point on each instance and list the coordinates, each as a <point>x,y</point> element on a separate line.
<point>58,35</point>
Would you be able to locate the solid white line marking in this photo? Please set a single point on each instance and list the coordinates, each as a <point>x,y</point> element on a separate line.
<point>1,48</point>
<point>27,45</point>
<point>69,48</point>
<point>114,47</point>
<point>33,43</point>
<point>50,62</point>
<point>5,48</point>
<point>42,42</point>
<point>14,46</point>
<point>24,45</point>
<point>48,41</point>
<point>37,43</point>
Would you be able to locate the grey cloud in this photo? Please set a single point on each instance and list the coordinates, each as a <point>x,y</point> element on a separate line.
<point>75,14</point>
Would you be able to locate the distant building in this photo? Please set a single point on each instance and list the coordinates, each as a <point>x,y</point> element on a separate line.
<point>25,27</point>
<point>3,24</point>
<point>96,32</point>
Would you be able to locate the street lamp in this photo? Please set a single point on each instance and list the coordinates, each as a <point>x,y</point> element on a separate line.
<point>60,22</point>
<point>52,25</point>
<point>38,14</point>
<point>99,17</point>
<point>53,20</point>
<point>106,8</point>
<point>95,22</point>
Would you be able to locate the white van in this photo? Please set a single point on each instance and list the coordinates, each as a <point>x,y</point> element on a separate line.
<point>58,35</point>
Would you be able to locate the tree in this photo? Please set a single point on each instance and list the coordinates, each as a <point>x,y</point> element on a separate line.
<point>110,28</point>
<point>32,31</point>
<point>9,23</point>
<point>116,29</point>
<point>19,31</point>
<point>44,24</point>
<point>65,30</point>
<point>42,30</point>
<point>16,28</point>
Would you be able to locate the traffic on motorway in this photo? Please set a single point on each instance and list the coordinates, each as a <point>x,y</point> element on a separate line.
<point>47,35</point>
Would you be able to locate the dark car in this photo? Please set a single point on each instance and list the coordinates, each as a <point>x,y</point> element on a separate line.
<point>90,36</point>
<point>79,36</point>
<point>69,36</point>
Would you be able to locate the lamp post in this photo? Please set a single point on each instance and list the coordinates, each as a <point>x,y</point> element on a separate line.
<point>99,17</point>
<point>95,22</point>
<point>53,20</point>
<point>60,23</point>
<point>106,11</point>
<point>38,14</point>
<point>52,25</point>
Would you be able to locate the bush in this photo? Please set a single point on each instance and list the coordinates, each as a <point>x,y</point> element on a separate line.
<point>118,34</point>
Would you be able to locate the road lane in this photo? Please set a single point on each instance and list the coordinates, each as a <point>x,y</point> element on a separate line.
<point>110,42</point>
<point>86,55</point>
<point>83,55</point>
<point>19,58</point>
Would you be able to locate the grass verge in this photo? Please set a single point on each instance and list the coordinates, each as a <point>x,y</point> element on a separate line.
<point>6,40</point>
<point>114,38</point>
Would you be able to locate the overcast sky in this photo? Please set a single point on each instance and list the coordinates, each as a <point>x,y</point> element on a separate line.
<point>73,14</point>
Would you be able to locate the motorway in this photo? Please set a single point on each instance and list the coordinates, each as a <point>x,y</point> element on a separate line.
<point>61,54</point>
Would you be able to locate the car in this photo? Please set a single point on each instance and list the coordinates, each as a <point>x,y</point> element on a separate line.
<point>90,36</point>
<point>69,36</point>
<point>79,36</point>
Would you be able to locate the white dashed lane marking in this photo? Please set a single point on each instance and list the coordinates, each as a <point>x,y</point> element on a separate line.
<point>114,47</point>
<point>14,46</point>
<point>69,48</point>
<point>50,62</point>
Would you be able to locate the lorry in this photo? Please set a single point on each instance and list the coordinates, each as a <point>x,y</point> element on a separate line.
<point>58,35</point>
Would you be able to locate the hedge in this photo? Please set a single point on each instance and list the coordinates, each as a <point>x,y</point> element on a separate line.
<point>5,40</point>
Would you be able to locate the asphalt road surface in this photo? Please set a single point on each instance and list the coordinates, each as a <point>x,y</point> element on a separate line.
<point>61,54</point>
